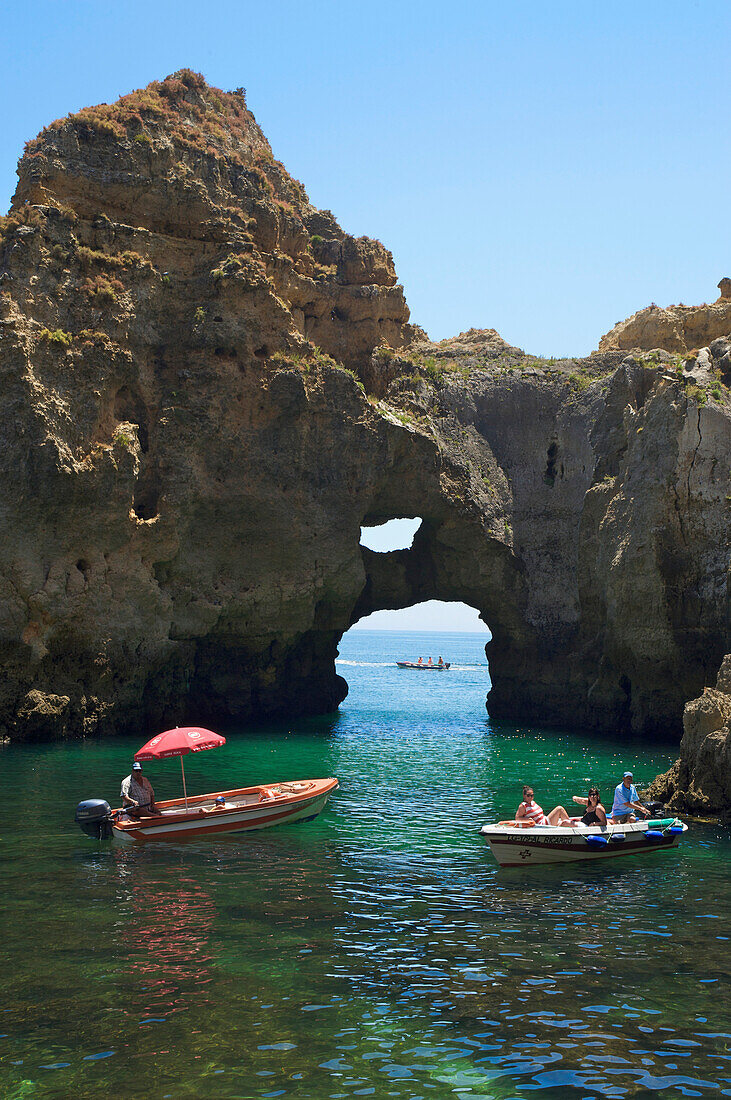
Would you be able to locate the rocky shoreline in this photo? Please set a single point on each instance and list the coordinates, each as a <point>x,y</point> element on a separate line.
<point>210,387</point>
<point>699,783</point>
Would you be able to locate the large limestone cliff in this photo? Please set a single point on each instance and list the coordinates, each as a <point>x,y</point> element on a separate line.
<point>209,387</point>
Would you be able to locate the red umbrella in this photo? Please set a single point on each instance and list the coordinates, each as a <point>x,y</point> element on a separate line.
<point>179,742</point>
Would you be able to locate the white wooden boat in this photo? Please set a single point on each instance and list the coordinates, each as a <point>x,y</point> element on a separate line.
<point>245,808</point>
<point>520,844</point>
<point>422,667</point>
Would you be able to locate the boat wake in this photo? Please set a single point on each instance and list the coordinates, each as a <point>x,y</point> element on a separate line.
<point>364,664</point>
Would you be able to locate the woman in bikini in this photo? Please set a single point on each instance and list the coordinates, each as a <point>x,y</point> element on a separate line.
<point>595,812</point>
<point>530,812</point>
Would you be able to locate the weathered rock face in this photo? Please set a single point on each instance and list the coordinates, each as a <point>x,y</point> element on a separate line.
<point>700,781</point>
<point>209,387</point>
<point>682,329</point>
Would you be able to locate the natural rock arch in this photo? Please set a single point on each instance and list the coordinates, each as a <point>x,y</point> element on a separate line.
<point>160,266</point>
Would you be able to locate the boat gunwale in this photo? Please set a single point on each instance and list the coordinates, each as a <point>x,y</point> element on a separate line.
<point>525,833</point>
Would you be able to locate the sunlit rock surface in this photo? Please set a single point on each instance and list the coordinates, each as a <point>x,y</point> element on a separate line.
<point>680,328</point>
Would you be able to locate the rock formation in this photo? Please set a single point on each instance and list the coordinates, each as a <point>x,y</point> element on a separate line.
<point>209,387</point>
<point>680,328</point>
<point>700,781</point>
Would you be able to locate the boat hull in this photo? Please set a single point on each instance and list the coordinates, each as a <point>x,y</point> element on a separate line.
<point>515,847</point>
<point>248,809</point>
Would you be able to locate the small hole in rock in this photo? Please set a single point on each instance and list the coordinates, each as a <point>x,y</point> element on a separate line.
<point>550,475</point>
<point>394,534</point>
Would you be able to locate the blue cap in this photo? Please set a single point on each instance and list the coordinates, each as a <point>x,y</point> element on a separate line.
<point>628,775</point>
<point>136,767</point>
<point>220,799</point>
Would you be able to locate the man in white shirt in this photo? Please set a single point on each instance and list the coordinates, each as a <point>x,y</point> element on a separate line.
<point>138,797</point>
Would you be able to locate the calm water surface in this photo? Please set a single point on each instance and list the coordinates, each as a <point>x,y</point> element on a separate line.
<point>377,951</point>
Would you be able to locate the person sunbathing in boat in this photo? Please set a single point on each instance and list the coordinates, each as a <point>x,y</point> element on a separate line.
<point>595,812</point>
<point>138,797</point>
<point>532,814</point>
<point>219,804</point>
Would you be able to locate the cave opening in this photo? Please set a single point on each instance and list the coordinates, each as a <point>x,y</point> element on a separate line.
<point>370,652</point>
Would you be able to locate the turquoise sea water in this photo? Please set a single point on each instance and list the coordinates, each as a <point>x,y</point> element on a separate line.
<point>377,951</point>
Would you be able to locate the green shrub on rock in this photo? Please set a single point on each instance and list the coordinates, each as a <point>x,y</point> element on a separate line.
<point>56,336</point>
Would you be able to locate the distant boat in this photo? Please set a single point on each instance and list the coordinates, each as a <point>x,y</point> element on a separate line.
<point>423,667</point>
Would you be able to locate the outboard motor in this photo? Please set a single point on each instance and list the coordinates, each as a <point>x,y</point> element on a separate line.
<point>94,817</point>
<point>657,809</point>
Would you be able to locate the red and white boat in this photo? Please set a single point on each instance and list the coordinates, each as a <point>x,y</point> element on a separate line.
<point>235,810</point>
<point>244,808</point>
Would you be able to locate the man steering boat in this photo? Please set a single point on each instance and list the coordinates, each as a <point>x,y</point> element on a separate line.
<point>138,797</point>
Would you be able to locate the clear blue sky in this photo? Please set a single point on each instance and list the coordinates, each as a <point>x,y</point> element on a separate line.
<point>541,168</point>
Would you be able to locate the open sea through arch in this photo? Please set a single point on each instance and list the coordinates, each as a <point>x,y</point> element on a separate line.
<point>377,951</point>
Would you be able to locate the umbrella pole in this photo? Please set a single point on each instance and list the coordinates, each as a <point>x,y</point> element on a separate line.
<point>185,793</point>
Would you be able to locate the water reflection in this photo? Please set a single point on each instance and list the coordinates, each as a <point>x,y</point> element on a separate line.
<point>163,933</point>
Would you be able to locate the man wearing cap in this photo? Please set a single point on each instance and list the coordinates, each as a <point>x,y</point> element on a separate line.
<point>625,801</point>
<point>138,797</point>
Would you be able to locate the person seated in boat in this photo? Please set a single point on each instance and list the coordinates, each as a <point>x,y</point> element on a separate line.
<point>420,661</point>
<point>530,812</point>
<point>219,804</point>
<point>595,812</point>
<point>626,802</point>
<point>440,662</point>
<point>430,663</point>
<point>138,797</point>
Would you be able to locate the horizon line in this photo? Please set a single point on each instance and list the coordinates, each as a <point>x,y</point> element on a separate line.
<point>397,630</point>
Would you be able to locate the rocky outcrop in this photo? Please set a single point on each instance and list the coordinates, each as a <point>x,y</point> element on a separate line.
<point>209,387</point>
<point>700,781</point>
<point>682,329</point>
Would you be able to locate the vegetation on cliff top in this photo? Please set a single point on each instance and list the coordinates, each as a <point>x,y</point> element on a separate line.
<point>193,114</point>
